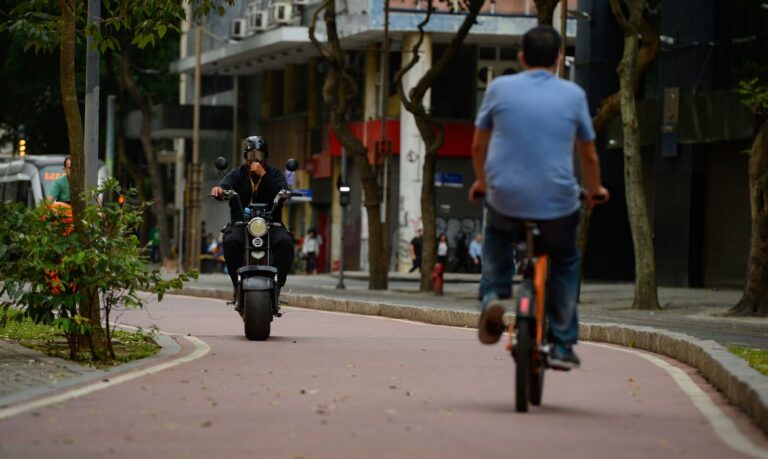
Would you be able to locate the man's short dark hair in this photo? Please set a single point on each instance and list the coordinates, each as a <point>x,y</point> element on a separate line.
<point>541,46</point>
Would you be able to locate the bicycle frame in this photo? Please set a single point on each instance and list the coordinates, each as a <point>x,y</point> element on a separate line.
<point>536,270</point>
<point>530,352</point>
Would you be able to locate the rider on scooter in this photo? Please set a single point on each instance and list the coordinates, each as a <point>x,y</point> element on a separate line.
<point>255,182</point>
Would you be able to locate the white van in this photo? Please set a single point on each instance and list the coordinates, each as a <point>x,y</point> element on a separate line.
<point>28,180</point>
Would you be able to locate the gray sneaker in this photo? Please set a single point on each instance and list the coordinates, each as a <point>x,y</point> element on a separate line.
<point>563,358</point>
<point>491,325</point>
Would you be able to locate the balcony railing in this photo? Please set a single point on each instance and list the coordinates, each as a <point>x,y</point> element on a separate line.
<point>500,7</point>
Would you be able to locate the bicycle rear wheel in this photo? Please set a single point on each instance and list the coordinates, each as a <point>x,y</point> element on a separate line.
<point>523,369</point>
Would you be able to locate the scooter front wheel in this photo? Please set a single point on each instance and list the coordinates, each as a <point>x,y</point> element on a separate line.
<point>257,314</point>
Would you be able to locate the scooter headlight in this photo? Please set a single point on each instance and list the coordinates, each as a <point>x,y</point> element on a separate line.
<point>257,227</point>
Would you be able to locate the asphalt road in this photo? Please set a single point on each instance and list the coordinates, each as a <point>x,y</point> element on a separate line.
<point>330,385</point>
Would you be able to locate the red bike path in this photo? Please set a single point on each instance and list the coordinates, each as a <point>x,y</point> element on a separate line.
<point>329,385</point>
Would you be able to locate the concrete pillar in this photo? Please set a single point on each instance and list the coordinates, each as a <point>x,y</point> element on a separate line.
<point>371,108</point>
<point>289,88</point>
<point>411,152</point>
<point>267,87</point>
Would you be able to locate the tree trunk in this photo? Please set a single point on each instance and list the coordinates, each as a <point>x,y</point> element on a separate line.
<point>431,131</point>
<point>608,109</point>
<point>429,244</point>
<point>158,188</point>
<point>646,296</point>
<point>754,301</point>
<point>88,306</point>
<point>545,9</point>
<point>339,91</point>
<point>378,260</point>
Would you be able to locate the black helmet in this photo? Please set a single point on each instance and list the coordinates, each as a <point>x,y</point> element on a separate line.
<point>255,143</point>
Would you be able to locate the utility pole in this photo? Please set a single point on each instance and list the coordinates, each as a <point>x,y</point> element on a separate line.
<point>563,36</point>
<point>110,141</point>
<point>91,133</point>
<point>386,152</point>
<point>343,188</point>
<point>195,169</point>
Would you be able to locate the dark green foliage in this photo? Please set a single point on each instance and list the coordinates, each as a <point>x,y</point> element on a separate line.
<point>44,268</point>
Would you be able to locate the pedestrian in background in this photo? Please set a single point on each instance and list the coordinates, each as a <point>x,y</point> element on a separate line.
<point>154,244</point>
<point>414,250</point>
<point>461,253</point>
<point>442,250</point>
<point>476,253</point>
<point>310,248</point>
<point>60,188</point>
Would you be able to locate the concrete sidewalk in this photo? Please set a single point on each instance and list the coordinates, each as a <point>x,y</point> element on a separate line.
<point>689,327</point>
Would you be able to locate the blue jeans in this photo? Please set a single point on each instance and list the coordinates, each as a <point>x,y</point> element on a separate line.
<point>558,239</point>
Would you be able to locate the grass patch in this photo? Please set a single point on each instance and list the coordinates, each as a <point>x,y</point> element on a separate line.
<point>47,339</point>
<point>756,358</point>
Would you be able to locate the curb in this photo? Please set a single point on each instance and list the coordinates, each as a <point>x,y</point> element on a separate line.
<point>742,385</point>
<point>82,374</point>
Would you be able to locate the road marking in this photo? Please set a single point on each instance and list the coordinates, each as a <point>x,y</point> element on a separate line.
<point>201,348</point>
<point>724,427</point>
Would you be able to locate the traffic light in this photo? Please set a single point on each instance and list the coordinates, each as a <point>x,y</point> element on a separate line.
<point>22,141</point>
<point>344,190</point>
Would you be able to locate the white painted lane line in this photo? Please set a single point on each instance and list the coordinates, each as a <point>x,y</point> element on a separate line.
<point>201,348</point>
<point>724,427</point>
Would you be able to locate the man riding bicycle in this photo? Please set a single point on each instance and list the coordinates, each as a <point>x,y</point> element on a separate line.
<point>522,158</point>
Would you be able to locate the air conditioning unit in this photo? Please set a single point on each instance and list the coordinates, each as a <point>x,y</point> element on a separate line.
<point>282,13</point>
<point>238,28</point>
<point>257,19</point>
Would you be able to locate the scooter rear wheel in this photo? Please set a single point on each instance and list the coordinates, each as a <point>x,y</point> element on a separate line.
<point>257,314</point>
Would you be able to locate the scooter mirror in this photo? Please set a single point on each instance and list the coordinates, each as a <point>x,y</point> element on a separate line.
<point>221,163</point>
<point>292,165</point>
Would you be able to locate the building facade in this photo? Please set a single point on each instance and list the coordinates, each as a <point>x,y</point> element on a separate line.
<point>258,60</point>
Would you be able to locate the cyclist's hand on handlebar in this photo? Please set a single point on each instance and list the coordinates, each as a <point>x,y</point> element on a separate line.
<point>216,192</point>
<point>476,191</point>
<point>599,196</point>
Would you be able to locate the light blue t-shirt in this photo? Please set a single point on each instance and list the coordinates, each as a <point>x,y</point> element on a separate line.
<point>534,117</point>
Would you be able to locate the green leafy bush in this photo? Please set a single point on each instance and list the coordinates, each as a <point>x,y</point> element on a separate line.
<point>46,267</point>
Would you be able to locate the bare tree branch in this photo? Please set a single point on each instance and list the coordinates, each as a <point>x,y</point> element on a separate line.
<point>618,13</point>
<point>610,106</point>
<point>320,47</point>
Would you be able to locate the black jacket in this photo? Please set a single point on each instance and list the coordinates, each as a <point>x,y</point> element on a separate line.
<point>272,182</point>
